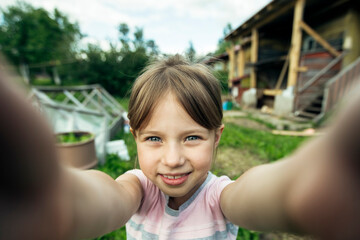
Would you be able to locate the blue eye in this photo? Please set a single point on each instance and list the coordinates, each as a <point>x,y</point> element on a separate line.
<point>192,138</point>
<point>154,139</point>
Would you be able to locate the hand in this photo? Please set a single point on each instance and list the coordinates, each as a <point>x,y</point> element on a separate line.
<point>325,199</point>
<point>29,175</point>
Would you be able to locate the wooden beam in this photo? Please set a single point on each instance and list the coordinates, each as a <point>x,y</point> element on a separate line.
<point>282,73</point>
<point>295,43</point>
<point>302,69</point>
<point>272,92</point>
<point>275,14</point>
<point>231,53</point>
<point>319,39</point>
<point>254,55</point>
<point>241,61</point>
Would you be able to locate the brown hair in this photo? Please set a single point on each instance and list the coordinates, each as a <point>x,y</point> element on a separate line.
<point>193,84</point>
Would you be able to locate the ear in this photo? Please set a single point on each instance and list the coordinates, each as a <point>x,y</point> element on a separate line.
<point>132,132</point>
<point>218,133</point>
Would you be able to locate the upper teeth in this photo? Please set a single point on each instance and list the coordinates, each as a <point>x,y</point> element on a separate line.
<point>174,177</point>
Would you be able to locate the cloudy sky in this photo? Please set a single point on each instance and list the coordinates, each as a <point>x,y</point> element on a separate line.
<point>171,23</point>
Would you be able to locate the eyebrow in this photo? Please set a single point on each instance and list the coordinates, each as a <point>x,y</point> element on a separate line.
<point>189,131</point>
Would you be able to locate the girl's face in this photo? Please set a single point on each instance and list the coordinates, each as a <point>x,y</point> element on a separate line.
<point>174,151</point>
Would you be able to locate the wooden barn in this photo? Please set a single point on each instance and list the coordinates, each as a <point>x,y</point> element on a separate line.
<point>296,56</point>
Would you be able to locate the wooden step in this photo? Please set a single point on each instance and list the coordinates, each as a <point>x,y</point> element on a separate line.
<point>307,114</point>
<point>317,101</point>
<point>313,109</point>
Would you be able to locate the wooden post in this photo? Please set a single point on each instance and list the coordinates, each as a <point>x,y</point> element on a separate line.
<point>241,61</point>
<point>295,43</point>
<point>254,55</point>
<point>231,53</point>
<point>282,73</point>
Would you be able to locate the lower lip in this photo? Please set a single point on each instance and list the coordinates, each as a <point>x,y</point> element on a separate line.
<point>175,182</point>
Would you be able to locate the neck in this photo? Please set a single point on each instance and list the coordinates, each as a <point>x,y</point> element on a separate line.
<point>175,203</point>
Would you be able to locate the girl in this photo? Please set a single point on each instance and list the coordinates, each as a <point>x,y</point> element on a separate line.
<point>175,116</point>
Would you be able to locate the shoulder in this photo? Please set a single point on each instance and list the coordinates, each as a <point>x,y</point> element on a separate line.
<point>216,185</point>
<point>151,193</point>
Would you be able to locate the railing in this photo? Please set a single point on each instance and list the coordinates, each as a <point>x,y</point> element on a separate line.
<point>313,88</point>
<point>340,85</point>
<point>88,99</point>
<point>323,71</point>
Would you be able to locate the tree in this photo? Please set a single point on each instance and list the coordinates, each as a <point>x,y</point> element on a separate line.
<point>138,42</point>
<point>31,35</point>
<point>222,44</point>
<point>190,53</point>
<point>117,68</point>
<point>124,39</point>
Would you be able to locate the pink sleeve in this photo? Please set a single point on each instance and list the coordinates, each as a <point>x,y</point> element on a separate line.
<point>140,175</point>
<point>218,186</point>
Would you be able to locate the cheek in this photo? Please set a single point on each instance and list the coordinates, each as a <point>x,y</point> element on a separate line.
<point>146,159</point>
<point>202,158</point>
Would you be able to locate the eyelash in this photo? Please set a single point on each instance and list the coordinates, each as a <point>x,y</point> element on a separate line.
<point>193,138</point>
<point>157,139</point>
<point>153,139</point>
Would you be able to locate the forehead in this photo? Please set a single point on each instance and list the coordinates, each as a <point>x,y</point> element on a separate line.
<point>169,114</point>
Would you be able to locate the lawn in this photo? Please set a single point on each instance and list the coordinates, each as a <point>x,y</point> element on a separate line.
<point>240,148</point>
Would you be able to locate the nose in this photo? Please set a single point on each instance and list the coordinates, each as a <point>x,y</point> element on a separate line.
<point>173,156</point>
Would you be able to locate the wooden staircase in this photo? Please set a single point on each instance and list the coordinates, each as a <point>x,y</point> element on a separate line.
<point>313,109</point>
<point>330,92</point>
<point>321,67</point>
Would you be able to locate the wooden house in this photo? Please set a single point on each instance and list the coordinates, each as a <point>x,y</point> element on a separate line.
<point>296,56</point>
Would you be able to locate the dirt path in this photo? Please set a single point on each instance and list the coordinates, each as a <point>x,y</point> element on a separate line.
<point>234,162</point>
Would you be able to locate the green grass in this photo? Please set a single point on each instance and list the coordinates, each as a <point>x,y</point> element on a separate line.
<point>264,144</point>
<point>261,143</point>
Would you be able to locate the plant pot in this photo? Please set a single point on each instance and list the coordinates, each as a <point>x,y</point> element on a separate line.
<point>79,154</point>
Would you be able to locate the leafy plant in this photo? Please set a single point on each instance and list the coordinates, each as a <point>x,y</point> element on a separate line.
<point>244,234</point>
<point>73,137</point>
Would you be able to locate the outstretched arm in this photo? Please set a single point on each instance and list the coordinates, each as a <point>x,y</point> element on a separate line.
<point>100,204</point>
<point>41,199</point>
<point>315,191</point>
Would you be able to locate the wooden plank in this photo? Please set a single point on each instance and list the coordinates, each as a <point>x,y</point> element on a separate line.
<point>319,39</point>
<point>68,88</point>
<point>321,73</point>
<point>306,133</point>
<point>254,55</point>
<point>272,92</point>
<point>302,69</point>
<point>282,73</point>
<point>295,43</point>
<point>231,53</point>
<point>241,62</point>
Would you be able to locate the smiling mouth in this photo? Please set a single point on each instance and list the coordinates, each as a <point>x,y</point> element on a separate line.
<point>174,179</point>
